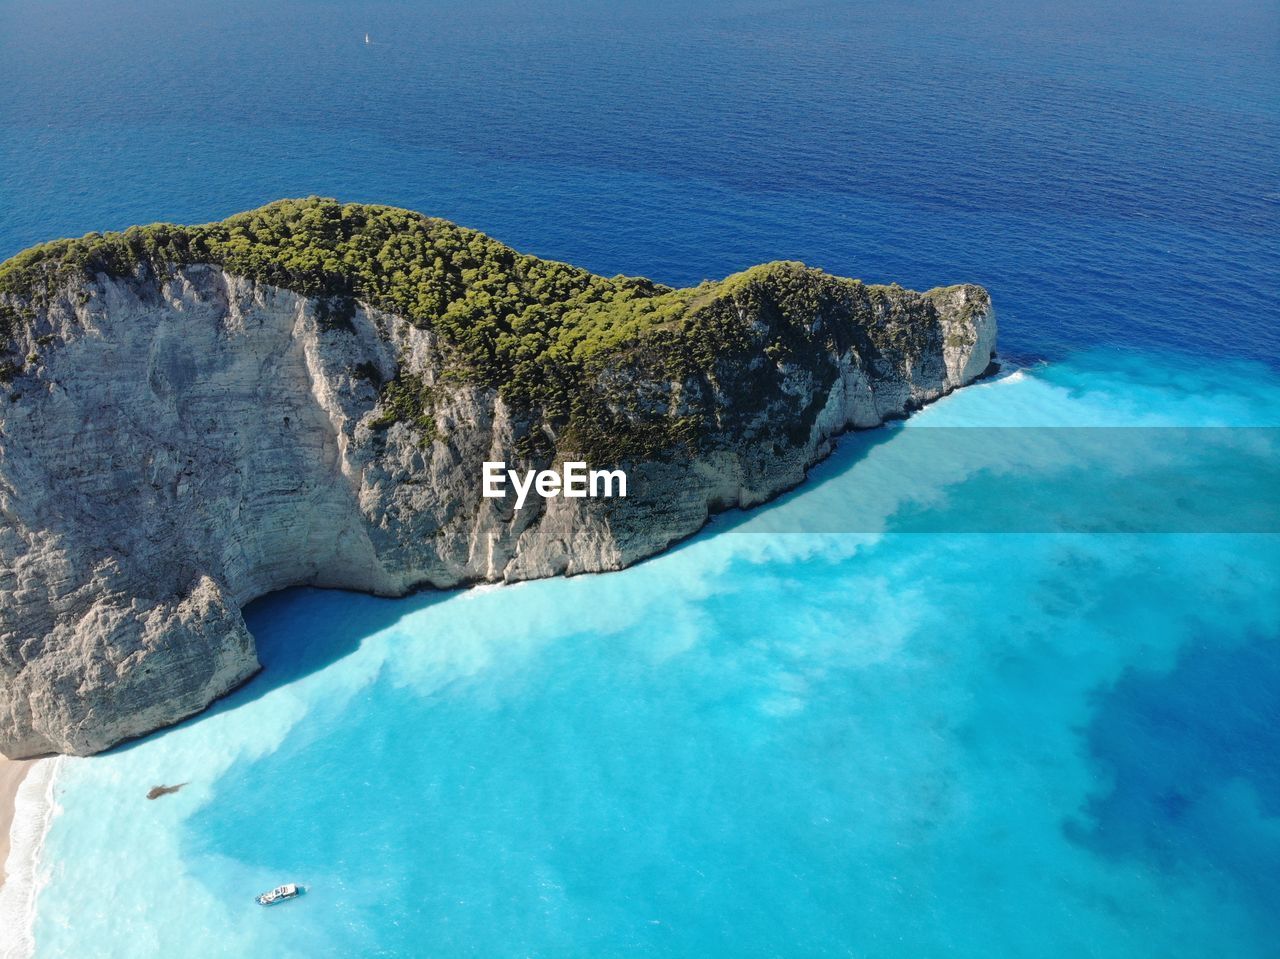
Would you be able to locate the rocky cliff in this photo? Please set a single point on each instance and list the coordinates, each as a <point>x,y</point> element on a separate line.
<point>185,426</point>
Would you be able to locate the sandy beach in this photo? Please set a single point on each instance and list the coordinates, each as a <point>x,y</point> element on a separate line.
<point>11,775</point>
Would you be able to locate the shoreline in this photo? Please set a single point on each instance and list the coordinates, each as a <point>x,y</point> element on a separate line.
<point>12,773</point>
<point>26,809</point>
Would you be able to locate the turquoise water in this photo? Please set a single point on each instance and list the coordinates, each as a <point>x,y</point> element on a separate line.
<point>997,692</point>
<point>762,743</point>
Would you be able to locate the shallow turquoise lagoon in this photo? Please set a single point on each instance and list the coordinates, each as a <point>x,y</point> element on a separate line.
<point>923,707</point>
<point>848,741</point>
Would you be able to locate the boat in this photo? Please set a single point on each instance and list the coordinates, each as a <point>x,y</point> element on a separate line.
<point>367,41</point>
<point>290,890</point>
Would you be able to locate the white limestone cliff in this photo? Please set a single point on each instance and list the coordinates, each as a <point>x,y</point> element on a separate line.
<point>178,448</point>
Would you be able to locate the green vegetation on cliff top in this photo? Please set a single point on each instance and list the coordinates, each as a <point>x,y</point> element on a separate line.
<point>537,330</point>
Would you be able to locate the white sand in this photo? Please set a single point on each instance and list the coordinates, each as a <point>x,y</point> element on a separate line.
<point>12,772</point>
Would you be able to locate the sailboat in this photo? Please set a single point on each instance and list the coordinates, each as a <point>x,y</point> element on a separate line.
<point>367,41</point>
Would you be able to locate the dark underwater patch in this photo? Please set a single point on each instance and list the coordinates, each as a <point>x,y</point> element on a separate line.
<point>1189,767</point>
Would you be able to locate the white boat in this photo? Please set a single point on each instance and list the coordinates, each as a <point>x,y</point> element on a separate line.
<point>367,40</point>
<point>290,890</point>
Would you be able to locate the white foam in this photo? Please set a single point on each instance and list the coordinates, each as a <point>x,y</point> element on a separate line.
<point>34,811</point>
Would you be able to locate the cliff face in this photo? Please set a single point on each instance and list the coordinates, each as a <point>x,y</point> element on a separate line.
<point>174,444</point>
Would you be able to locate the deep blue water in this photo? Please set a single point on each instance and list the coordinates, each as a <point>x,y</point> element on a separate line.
<point>915,709</point>
<point>1107,168</point>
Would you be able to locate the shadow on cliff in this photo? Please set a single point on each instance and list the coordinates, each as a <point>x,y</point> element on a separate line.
<point>851,448</point>
<point>302,630</point>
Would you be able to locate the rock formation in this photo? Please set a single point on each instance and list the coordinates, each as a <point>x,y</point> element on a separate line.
<point>178,438</point>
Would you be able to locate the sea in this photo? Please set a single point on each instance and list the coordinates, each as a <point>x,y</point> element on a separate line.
<point>1000,680</point>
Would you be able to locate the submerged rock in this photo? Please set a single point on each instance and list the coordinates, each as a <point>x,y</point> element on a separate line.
<point>193,417</point>
<point>155,792</point>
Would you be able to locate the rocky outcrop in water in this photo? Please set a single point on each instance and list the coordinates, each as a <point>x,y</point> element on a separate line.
<point>178,439</point>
